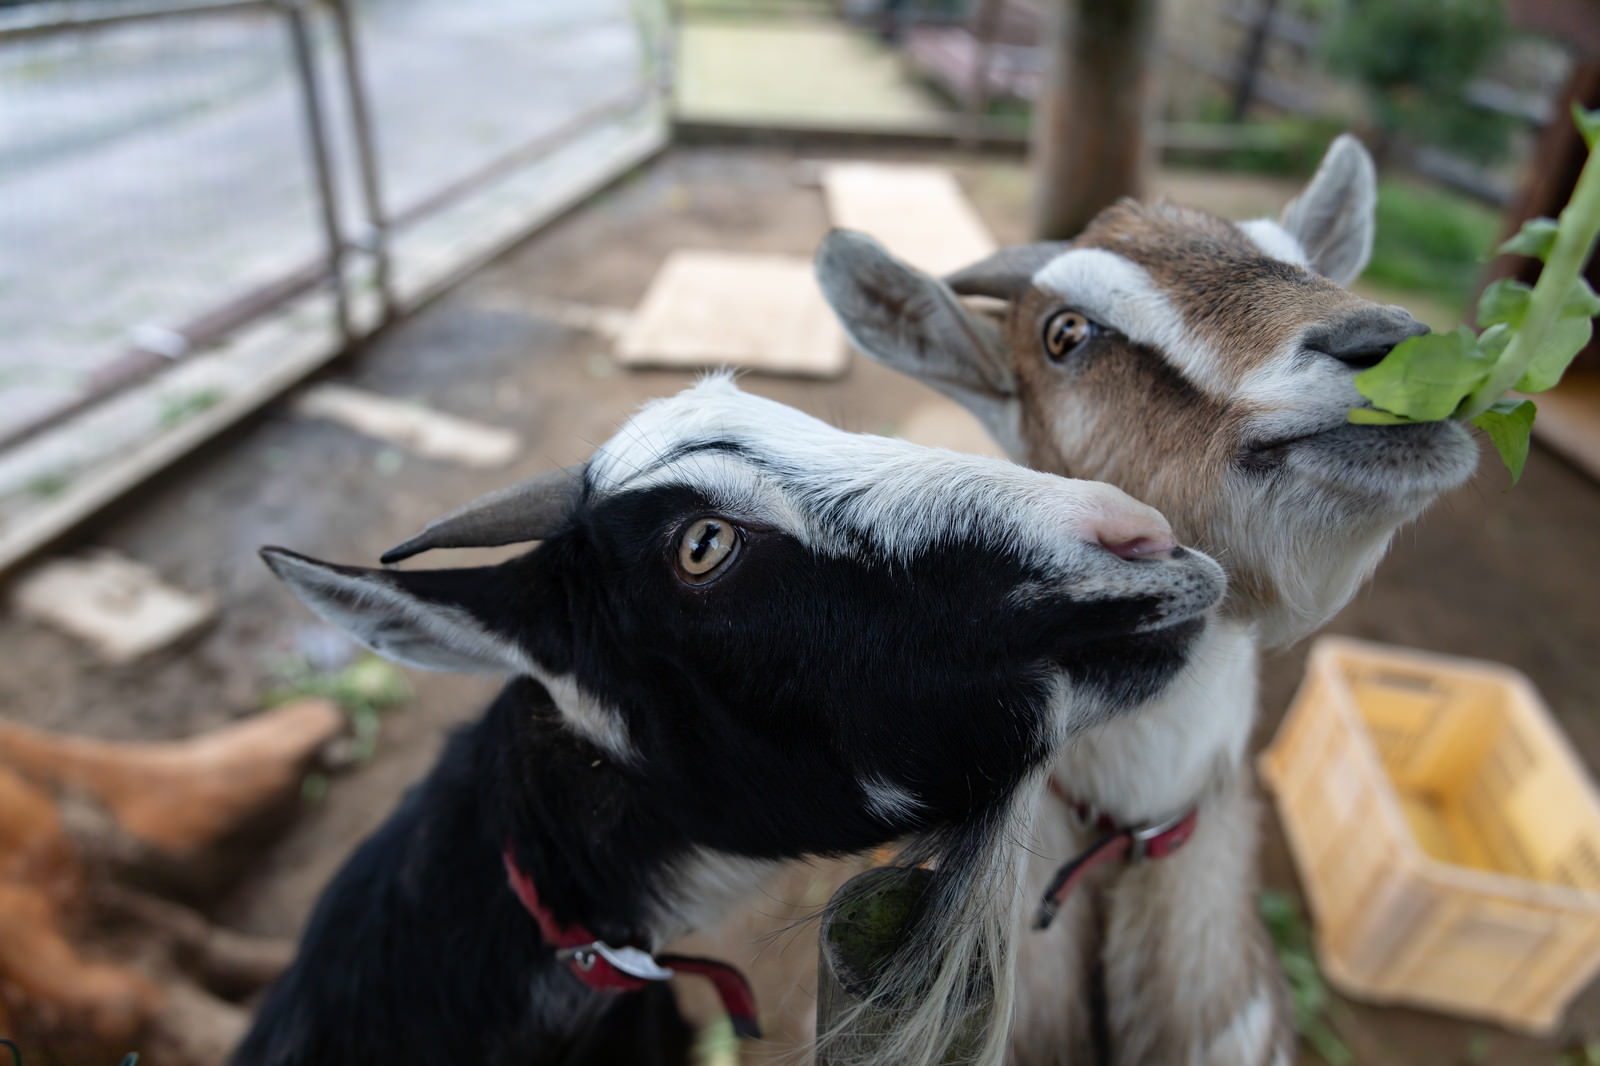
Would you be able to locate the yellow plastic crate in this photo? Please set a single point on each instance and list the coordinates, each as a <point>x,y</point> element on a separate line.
<point>1447,835</point>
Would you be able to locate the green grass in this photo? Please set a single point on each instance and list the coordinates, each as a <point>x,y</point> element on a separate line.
<point>176,410</point>
<point>1430,241</point>
<point>1313,1003</point>
<point>363,690</point>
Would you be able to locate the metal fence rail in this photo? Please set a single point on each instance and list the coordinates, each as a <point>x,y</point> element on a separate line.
<point>344,179</point>
<point>201,205</point>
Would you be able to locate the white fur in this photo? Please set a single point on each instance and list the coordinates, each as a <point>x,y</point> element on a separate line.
<point>1120,294</point>
<point>1143,767</point>
<point>1275,241</point>
<point>890,493</point>
<point>601,725</point>
<point>704,888</point>
<point>888,800</point>
<point>1246,1032</point>
<point>1287,396</point>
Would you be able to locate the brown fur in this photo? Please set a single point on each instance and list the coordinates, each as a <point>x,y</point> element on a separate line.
<point>1120,413</point>
<point>1236,299</point>
<point>71,807</point>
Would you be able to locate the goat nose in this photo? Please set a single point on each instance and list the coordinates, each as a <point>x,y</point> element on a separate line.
<point>1362,339</point>
<point>1129,529</point>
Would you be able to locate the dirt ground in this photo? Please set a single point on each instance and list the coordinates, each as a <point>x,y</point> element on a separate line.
<point>1506,576</point>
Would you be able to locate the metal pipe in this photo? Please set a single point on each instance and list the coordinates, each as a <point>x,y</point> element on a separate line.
<point>317,136</point>
<point>221,7</point>
<point>141,361</point>
<point>377,243</point>
<point>517,158</point>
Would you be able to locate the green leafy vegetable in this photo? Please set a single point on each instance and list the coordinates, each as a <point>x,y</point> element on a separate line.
<point>363,690</point>
<point>1535,239</point>
<point>1428,385</point>
<point>1313,1003</point>
<point>1530,333</point>
<point>1504,301</point>
<point>1509,424</point>
<point>1588,125</point>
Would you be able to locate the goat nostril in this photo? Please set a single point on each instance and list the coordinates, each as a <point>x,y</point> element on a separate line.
<point>1141,547</point>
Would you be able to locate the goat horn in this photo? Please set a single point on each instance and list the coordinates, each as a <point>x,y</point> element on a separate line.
<point>1007,272</point>
<point>535,509</point>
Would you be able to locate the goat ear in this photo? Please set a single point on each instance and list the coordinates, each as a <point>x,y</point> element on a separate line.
<point>423,618</point>
<point>1335,217</point>
<point>911,320</point>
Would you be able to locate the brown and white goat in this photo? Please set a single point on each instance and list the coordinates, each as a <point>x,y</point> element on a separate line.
<point>1205,367</point>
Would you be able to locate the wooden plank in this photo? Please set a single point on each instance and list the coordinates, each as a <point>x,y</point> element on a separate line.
<point>918,212</point>
<point>117,606</point>
<point>418,429</point>
<point>712,308</point>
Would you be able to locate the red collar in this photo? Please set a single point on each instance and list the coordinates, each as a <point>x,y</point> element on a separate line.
<point>605,968</point>
<point>1150,840</point>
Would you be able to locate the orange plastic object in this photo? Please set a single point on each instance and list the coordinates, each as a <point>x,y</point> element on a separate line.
<point>1447,834</point>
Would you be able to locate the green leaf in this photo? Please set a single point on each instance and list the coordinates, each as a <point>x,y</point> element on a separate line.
<point>1580,301</point>
<point>1562,341</point>
<point>1426,378</point>
<point>1493,341</point>
<point>1369,416</point>
<point>1588,124</point>
<point>1505,301</point>
<point>1536,237</point>
<point>1509,425</point>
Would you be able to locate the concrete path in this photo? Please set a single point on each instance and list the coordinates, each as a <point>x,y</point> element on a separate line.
<point>806,73</point>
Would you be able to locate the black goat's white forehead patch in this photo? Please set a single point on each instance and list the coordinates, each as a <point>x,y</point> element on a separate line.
<point>835,491</point>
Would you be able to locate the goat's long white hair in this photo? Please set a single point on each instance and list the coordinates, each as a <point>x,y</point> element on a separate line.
<point>959,963</point>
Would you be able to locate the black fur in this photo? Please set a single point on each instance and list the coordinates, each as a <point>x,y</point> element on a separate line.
<point>419,952</point>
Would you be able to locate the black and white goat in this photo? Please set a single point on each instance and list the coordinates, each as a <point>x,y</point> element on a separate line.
<point>746,636</point>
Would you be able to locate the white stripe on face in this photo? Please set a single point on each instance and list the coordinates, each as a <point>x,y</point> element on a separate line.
<point>832,490</point>
<point>1119,294</point>
<point>1286,395</point>
<point>1275,241</point>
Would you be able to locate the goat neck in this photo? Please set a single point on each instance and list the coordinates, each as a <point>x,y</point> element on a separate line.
<point>390,942</point>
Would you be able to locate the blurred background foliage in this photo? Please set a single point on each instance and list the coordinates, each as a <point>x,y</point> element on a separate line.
<point>1415,59</point>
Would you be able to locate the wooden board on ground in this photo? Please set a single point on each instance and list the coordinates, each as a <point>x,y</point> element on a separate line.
<point>944,423</point>
<point>117,606</point>
<point>418,429</point>
<point>918,212</point>
<point>760,312</point>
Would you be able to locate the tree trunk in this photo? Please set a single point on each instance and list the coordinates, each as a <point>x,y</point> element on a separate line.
<point>1089,125</point>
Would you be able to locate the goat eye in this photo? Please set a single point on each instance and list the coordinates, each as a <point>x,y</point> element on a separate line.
<point>1064,331</point>
<point>706,546</point>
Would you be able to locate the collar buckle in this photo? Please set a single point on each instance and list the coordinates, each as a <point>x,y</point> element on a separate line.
<point>1167,835</point>
<point>635,962</point>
